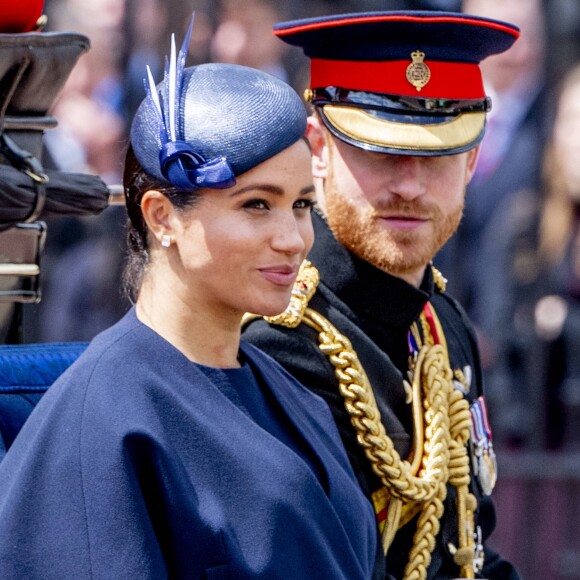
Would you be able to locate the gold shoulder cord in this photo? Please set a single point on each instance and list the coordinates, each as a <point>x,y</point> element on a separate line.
<point>441,430</point>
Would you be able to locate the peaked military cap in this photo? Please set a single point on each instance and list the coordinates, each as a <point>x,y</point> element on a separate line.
<point>406,82</point>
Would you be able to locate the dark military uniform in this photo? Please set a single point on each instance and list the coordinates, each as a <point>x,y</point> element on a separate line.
<point>375,311</point>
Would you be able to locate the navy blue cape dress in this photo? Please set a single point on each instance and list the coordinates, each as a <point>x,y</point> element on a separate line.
<point>137,465</point>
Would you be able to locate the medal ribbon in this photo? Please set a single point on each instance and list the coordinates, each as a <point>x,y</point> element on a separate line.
<point>430,331</point>
<point>479,421</point>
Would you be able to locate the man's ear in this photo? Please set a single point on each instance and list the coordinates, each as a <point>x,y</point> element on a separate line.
<point>157,211</point>
<point>472,157</point>
<point>316,135</point>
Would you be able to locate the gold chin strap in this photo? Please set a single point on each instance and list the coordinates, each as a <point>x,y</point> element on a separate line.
<point>441,431</point>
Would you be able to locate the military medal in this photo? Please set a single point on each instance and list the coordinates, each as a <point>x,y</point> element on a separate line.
<point>482,453</point>
<point>418,73</point>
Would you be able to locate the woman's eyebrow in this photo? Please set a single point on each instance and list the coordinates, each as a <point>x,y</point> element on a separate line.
<point>269,188</point>
<point>266,187</point>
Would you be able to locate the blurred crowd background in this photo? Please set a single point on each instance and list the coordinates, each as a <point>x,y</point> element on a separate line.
<point>514,263</point>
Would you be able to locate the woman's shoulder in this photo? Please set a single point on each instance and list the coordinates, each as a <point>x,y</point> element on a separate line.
<point>124,347</point>
<point>112,341</point>
<point>109,361</point>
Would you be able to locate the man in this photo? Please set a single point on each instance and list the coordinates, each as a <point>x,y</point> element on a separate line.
<point>399,112</point>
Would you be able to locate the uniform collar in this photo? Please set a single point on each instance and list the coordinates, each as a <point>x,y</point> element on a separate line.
<point>366,290</point>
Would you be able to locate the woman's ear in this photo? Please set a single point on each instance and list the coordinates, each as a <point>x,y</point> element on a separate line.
<point>315,133</point>
<point>157,211</point>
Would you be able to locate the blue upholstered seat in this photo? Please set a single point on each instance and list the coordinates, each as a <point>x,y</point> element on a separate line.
<point>26,372</point>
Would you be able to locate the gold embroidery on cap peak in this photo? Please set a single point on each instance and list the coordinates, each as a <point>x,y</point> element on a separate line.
<point>418,73</point>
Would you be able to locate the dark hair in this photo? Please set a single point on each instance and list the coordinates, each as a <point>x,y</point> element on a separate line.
<point>136,182</point>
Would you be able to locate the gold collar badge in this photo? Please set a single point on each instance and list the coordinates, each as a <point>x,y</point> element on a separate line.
<point>418,73</point>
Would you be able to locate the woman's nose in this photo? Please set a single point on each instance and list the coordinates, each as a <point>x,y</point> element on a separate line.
<point>287,235</point>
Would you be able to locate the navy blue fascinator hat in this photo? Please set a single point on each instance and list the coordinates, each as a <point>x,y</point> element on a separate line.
<point>204,125</point>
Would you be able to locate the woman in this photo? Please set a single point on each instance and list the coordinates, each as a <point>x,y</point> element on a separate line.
<point>169,449</point>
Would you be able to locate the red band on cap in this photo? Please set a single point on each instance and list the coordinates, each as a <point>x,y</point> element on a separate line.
<point>448,80</point>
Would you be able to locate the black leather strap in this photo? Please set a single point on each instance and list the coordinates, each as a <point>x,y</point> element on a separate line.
<point>26,162</point>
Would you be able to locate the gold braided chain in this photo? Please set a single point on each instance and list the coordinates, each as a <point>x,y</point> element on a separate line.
<point>395,473</point>
<point>442,430</point>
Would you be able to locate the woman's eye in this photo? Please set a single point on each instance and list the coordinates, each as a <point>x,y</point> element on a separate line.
<point>256,204</point>
<point>304,204</point>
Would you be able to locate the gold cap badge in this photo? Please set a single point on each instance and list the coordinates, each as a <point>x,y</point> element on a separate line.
<point>418,73</point>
